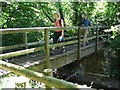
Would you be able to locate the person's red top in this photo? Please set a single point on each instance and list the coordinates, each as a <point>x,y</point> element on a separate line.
<point>57,24</point>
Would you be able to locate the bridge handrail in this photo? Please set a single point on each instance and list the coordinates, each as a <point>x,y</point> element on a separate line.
<point>38,29</point>
<point>32,50</point>
<point>24,30</point>
<point>34,29</point>
<point>40,77</point>
<point>41,42</point>
<point>21,52</point>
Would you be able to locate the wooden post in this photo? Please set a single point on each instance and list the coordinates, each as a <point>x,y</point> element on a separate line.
<point>79,41</point>
<point>96,45</point>
<point>47,50</point>
<point>48,72</point>
<point>25,40</point>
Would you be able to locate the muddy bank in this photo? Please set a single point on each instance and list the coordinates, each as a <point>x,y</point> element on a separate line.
<point>95,82</point>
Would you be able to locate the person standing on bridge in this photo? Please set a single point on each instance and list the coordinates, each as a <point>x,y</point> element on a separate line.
<point>85,22</point>
<point>58,34</point>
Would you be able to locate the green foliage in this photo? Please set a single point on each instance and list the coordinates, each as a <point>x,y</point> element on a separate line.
<point>12,39</point>
<point>79,8</point>
<point>112,13</point>
<point>113,52</point>
<point>115,57</point>
<point>19,15</point>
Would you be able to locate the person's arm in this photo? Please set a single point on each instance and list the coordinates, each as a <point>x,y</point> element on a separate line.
<point>62,25</point>
<point>89,23</point>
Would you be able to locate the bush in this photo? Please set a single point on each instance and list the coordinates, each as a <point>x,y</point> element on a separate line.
<point>114,51</point>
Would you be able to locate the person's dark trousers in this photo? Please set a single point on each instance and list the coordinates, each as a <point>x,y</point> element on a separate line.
<point>56,37</point>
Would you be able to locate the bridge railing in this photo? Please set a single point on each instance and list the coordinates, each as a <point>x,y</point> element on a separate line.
<point>48,80</point>
<point>25,37</point>
<point>47,44</point>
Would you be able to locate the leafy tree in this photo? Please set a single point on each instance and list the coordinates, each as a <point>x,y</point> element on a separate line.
<point>113,53</point>
<point>22,15</point>
<point>112,13</point>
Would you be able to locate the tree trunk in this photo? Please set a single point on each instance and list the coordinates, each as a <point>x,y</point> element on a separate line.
<point>48,16</point>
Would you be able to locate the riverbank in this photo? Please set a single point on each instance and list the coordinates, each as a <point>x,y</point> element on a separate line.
<point>95,72</point>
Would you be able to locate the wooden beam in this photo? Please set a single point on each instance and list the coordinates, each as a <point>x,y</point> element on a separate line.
<point>20,30</point>
<point>39,29</point>
<point>69,42</point>
<point>26,40</point>
<point>11,47</point>
<point>22,52</point>
<point>63,44</point>
<point>79,43</point>
<point>23,45</point>
<point>47,50</point>
<point>48,80</point>
<point>34,29</point>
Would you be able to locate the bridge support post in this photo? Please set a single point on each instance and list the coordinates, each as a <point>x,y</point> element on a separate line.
<point>96,45</point>
<point>47,50</point>
<point>25,40</point>
<point>79,41</point>
<point>81,68</point>
<point>49,73</point>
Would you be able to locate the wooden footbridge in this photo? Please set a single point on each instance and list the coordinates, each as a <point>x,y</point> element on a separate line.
<point>39,58</point>
<point>39,61</point>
